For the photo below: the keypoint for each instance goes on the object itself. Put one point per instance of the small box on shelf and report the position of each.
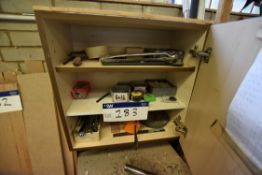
(161, 87)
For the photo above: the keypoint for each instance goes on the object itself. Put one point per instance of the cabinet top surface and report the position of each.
(96, 17)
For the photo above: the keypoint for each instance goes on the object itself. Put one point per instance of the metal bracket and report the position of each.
(180, 127)
(203, 55)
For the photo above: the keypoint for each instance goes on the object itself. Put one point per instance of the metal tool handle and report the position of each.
(163, 54)
(135, 136)
(136, 171)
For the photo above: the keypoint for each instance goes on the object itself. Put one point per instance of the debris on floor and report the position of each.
(158, 158)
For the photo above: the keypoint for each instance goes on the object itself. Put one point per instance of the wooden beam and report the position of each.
(223, 11)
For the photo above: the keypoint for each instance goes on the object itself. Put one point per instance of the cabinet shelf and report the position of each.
(97, 66)
(90, 107)
(106, 137)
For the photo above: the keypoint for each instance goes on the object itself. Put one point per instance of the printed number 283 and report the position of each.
(127, 112)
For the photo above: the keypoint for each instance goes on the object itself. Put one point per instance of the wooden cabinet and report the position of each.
(204, 91)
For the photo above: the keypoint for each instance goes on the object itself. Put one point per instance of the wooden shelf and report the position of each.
(90, 107)
(97, 66)
(106, 137)
(94, 17)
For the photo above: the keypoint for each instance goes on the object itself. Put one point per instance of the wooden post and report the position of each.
(223, 11)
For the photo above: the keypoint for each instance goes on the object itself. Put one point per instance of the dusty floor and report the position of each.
(158, 158)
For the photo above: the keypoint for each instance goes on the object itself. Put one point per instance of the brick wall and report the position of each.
(19, 41)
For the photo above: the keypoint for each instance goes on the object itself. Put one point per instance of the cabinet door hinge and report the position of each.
(180, 126)
(203, 55)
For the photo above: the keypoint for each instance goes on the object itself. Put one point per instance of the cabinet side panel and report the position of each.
(69, 159)
(235, 46)
(57, 43)
(185, 81)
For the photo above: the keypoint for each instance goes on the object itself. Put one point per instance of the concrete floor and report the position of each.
(158, 158)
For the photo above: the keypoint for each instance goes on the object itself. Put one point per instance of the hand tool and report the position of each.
(135, 135)
(74, 54)
(136, 171)
(77, 61)
(137, 95)
(163, 58)
(156, 119)
(102, 97)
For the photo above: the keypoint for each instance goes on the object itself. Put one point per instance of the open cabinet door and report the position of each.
(235, 46)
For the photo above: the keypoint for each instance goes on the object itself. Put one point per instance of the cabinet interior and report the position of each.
(63, 35)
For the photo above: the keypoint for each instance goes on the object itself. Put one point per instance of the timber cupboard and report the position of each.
(204, 90)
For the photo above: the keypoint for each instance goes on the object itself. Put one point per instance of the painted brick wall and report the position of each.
(19, 41)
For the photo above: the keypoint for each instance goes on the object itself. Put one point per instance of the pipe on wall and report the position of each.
(13, 17)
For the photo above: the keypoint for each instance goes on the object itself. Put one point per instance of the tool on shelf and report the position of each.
(135, 137)
(156, 119)
(137, 95)
(133, 127)
(77, 61)
(79, 128)
(86, 125)
(102, 97)
(129, 127)
(81, 90)
(131, 50)
(161, 58)
(72, 55)
(90, 53)
(119, 129)
(147, 90)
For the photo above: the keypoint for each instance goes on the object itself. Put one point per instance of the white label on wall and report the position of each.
(130, 111)
(10, 101)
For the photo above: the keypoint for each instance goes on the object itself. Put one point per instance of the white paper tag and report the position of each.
(244, 121)
(10, 101)
(120, 97)
(130, 111)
